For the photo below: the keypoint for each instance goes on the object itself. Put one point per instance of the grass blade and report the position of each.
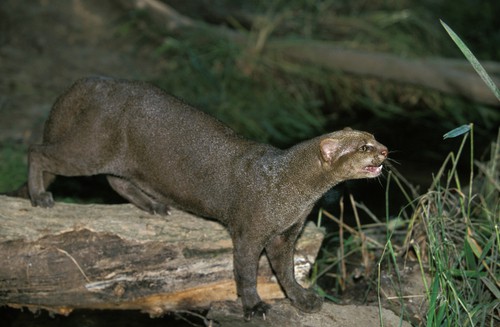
(473, 60)
(457, 131)
(492, 287)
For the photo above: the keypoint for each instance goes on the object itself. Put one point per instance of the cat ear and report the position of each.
(330, 149)
(347, 129)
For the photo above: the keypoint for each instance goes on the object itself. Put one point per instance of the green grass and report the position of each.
(451, 231)
(461, 225)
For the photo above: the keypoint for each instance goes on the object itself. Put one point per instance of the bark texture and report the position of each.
(119, 257)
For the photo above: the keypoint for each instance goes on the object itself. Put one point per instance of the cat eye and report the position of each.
(365, 148)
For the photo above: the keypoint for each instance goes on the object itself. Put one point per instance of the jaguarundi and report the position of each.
(159, 152)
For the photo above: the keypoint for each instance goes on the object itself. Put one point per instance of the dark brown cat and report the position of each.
(159, 152)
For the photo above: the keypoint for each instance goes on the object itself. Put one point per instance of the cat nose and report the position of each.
(384, 152)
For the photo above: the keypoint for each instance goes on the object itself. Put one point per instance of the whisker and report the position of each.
(393, 160)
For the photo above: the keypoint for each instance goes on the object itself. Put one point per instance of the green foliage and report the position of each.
(457, 131)
(270, 98)
(212, 75)
(463, 244)
(452, 231)
(13, 166)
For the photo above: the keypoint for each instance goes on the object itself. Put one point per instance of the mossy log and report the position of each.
(75, 256)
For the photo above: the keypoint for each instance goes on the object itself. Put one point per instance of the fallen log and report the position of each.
(77, 256)
(450, 76)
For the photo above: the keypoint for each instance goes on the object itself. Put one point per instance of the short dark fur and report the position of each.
(159, 152)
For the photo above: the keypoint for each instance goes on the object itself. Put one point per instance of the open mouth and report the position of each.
(375, 170)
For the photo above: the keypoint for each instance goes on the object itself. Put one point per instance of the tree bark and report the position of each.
(450, 76)
(119, 257)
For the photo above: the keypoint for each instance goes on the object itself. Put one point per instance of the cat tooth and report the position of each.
(374, 169)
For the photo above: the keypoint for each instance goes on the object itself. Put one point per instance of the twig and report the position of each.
(75, 262)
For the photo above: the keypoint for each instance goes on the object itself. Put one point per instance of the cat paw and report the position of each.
(259, 310)
(159, 209)
(308, 301)
(43, 200)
